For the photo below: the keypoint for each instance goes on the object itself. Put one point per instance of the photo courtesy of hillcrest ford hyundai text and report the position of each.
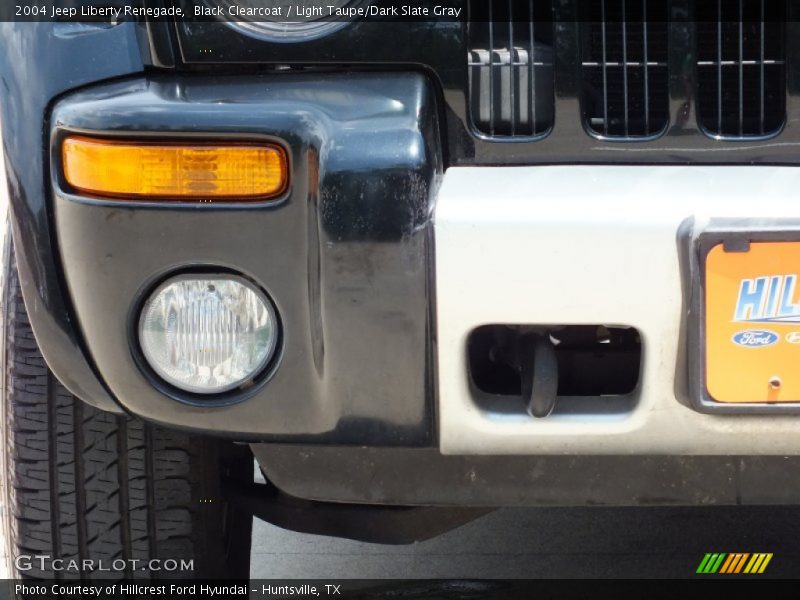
(371, 270)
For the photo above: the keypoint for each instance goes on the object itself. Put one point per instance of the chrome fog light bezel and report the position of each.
(223, 395)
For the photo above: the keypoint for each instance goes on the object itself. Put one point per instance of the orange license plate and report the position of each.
(752, 323)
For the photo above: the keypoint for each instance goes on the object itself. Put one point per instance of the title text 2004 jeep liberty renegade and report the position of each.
(544, 255)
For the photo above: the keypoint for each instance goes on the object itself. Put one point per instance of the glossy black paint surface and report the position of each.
(38, 62)
(440, 48)
(344, 255)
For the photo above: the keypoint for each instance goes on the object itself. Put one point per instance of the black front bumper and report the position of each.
(345, 255)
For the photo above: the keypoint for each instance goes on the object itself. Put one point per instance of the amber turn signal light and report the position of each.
(198, 172)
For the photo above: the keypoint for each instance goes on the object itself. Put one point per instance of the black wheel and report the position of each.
(81, 484)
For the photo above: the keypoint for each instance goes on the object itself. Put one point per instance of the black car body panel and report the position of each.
(344, 254)
(442, 47)
(39, 62)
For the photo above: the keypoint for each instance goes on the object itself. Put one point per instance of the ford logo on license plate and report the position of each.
(755, 338)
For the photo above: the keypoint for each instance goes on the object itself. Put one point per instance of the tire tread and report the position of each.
(86, 484)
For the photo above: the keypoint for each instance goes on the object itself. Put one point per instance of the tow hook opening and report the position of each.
(555, 369)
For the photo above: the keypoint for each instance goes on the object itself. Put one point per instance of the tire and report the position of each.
(83, 484)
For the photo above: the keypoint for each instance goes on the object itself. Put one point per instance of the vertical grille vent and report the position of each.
(741, 67)
(511, 67)
(624, 67)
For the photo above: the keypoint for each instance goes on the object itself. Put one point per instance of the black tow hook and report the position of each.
(539, 372)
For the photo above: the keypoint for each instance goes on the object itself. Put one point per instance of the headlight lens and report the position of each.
(259, 18)
(208, 334)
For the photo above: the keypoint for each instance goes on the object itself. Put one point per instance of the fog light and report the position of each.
(207, 334)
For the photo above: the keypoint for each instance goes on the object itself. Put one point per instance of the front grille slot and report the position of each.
(624, 67)
(741, 68)
(739, 55)
(510, 64)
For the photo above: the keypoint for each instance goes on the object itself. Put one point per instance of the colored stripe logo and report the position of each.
(734, 563)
